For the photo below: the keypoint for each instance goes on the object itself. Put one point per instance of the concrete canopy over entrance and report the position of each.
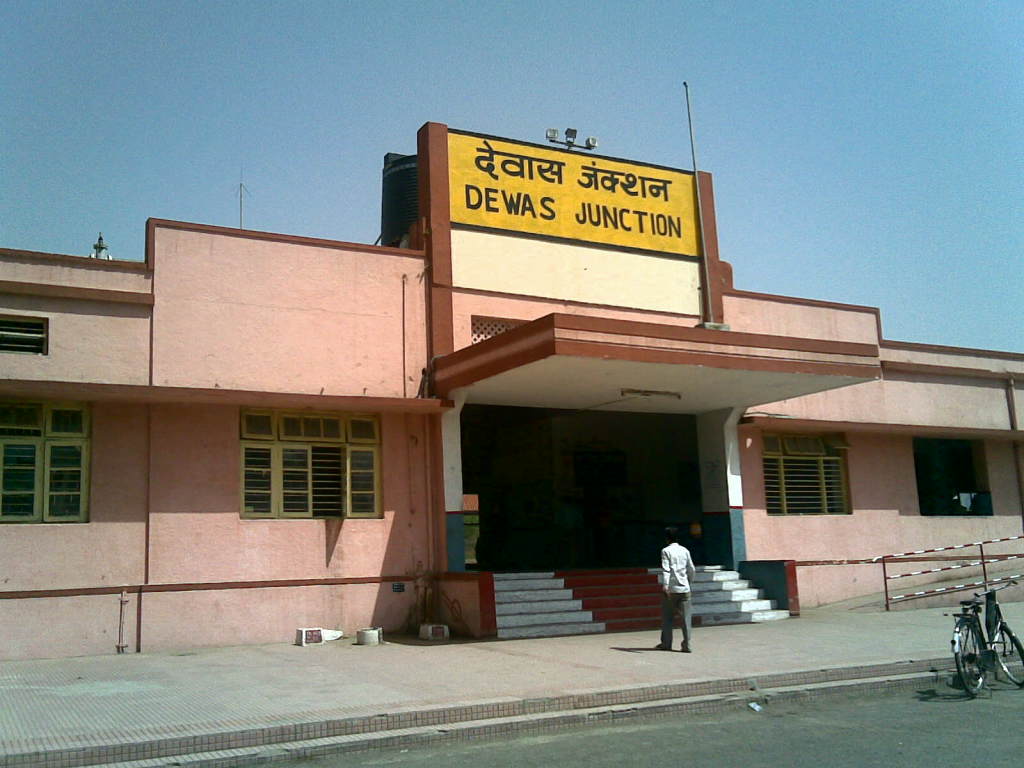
(587, 363)
(562, 365)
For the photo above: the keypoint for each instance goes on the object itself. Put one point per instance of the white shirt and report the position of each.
(676, 568)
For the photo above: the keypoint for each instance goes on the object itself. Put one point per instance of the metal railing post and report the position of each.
(885, 582)
(984, 570)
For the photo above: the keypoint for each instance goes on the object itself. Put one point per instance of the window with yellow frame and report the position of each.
(805, 475)
(44, 462)
(309, 465)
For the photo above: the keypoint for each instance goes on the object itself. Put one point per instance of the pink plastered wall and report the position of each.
(885, 518)
(55, 627)
(953, 357)
(88, 341)
(469, 304)
(109, 549)
(270, 615)
(781, 318)
(899, 398)
(198, 535)
(75, 272)
(235, 312)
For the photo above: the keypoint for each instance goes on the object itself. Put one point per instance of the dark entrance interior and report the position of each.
(577, 489)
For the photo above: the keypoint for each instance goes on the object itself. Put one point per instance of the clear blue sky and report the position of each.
(863, 152)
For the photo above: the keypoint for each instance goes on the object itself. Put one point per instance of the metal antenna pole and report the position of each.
(706, 293)
(241, 191)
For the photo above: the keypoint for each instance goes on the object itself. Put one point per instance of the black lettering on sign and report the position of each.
(474, 197)
(626, 219)
(548, 213)
(491, 200)
(518, 203)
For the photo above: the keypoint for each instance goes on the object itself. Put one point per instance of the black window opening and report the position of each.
(23, 334)
(951, 477)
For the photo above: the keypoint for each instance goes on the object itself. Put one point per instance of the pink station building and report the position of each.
(544, 365)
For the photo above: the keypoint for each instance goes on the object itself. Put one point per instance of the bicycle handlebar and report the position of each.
(1011, 583)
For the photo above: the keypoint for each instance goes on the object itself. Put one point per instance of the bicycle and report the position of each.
(978, 649)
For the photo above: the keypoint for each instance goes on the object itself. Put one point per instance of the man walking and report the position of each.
(676, 571)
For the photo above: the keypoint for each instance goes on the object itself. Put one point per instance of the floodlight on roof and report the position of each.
(552, 135)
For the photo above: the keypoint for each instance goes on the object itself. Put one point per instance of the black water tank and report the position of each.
(399, 205)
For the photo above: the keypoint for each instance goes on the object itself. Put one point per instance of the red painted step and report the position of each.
(604, 590)
(625, 601)
(610, 579)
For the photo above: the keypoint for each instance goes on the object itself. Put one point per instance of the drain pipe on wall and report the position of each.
(1011, 404)
(122, 646)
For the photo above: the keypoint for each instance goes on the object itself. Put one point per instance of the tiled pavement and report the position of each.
(94, 710)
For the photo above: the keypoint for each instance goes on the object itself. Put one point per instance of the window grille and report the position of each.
(805, 476)
(488, 327)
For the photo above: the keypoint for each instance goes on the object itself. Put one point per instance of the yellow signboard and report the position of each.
(505, 185)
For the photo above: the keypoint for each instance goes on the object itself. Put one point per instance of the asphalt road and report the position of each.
(931, 727)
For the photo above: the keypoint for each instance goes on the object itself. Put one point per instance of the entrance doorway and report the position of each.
(562, 490)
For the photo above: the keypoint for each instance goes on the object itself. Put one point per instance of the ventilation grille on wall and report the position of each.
(489, 327)
(23, 334)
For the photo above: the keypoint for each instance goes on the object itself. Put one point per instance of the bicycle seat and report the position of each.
(969, 603)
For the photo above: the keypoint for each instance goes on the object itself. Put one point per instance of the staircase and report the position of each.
(618, 600)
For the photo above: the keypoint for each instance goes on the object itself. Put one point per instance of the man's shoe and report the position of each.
(686, 648)
(660, 647)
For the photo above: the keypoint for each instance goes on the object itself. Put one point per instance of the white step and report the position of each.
(532, 596)
(507, 585)
(739, 606)
(543, 606)
(551, 630)
(704, 576)
(533, 619)
(719, 595)
(718, 586)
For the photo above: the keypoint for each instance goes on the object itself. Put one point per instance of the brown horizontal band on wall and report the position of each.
(800, 301)
(817, 426)
(209, 586)
(709, 336)
(869, 561)
(898, 366)
(144, 393)
(49, 290)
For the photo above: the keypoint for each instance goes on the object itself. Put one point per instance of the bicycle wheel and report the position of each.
(967, 647)
(1010, 654)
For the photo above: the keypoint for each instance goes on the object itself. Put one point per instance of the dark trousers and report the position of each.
(672, 605)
